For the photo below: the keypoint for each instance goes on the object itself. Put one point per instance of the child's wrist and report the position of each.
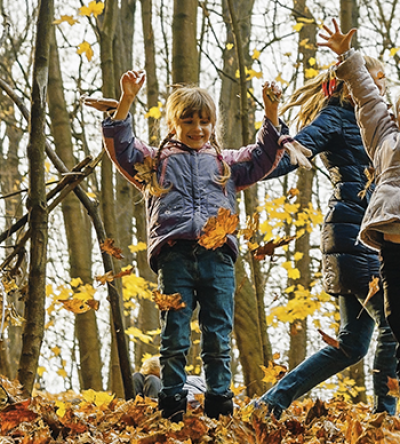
(345, 55)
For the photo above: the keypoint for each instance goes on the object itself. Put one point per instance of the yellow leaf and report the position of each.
(91, 194)
(256, 54)
(237, 390)
(229, 46)
(297, 256)
(311, 72)
(305, 20)
(103, 398)
(40, 370)
(137, 334)
(62, 372)
(393, 51)
(85, 48)
(65, 18)
(298, 26)
(258, 125)
(279, 78)
(95, 8)
(312, 61)
(56, 350)
(154, 112)
(75, 282)
(60, 408)
(140, 246)
(273, 372)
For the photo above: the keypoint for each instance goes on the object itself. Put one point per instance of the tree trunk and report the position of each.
(185, 66)
(35, 302)
(349, 14)
(77, 227)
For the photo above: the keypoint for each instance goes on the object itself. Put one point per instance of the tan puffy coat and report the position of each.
(381, 138)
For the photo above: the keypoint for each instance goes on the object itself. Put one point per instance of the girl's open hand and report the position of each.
(131, 82)
(101, 104)
(336, 41)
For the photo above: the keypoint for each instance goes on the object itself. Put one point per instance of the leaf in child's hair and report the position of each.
(273, 372)
(269, 248)
(168, 301)
(393, 386)
(217, 228)
(108, 247)
(65, 18)
(373, 289)
(85, 48)
(328, 339)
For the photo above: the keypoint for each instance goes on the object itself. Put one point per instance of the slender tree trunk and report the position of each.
(77, 226)
(349, 14)
(35, 302)
(185, 67)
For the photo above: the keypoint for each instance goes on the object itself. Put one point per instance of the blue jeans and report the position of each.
(354, 338)
(205, 277)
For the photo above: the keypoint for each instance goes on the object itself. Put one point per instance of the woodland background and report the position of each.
(66, 322)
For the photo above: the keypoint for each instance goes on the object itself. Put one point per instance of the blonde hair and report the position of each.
(181, 104)
(151, 366)
(311, 98)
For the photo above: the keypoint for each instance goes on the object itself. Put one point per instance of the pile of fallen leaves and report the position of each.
(73, 418)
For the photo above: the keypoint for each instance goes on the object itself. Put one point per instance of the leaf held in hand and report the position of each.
(168, 301)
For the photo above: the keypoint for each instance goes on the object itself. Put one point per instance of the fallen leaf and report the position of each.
(14, 414)
(269, 248)
(393, 385)
(108, 247)
(168, 301)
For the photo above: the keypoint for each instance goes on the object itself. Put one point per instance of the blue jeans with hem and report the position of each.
(354, 338)
(204, 277)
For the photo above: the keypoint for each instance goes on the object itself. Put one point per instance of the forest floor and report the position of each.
(97, 417)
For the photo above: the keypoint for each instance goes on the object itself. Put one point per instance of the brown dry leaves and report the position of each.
(217, 228)
(268, 249)
(168, 301)
(78, 306)
(108, 247)
(38, 420)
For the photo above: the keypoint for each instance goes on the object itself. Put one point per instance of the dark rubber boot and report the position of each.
(215, 405)
(173, 407)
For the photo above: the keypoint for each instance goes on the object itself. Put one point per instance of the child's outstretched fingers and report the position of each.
(336, 40)
(132, 82)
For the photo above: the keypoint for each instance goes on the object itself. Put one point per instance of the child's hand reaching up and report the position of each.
(131, 82)
(271, 97)
(336, 41)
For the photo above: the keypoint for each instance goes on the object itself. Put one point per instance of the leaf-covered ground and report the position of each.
(94, 417)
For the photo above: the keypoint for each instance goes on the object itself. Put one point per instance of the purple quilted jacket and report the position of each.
(194, 195)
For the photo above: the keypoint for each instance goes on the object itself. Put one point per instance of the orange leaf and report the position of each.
(123, 273)
(393, 385)
(293, 192)
(373, 289)
(14, 414)
(168, 301)
(78, 306)
(328, 339)
(108, 247)
(108, 277)
(269, 248)
(273, 372)
(217, 227)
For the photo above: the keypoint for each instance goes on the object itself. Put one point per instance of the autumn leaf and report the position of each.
(108, 247)
(328, 339)
(293, 192)
(393, 386)
(168, 301)
(217, 228)
(65, 18)
(14, 414)
(373, 289)
(79, 306)
(274, 371)
(154, 112)
(85, 48)
(298, 27)
(268, 249)
(393, 51)
(95, 8)
(128, 271)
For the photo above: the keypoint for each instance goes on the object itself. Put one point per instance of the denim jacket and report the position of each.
(192, 179)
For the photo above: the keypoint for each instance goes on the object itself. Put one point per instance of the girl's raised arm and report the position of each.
(131, 82)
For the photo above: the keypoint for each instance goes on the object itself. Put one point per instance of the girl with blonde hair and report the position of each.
(328, 127)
